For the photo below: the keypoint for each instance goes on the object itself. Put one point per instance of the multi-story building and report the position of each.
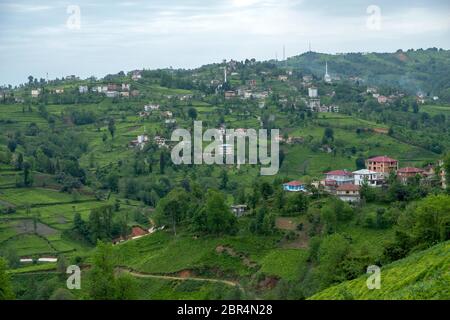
(371, 178)
(382, 164)
(403, 174)
(340, 177)
(348, 193)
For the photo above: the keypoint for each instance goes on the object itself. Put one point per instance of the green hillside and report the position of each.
(422, 275)
(412, 70)
(74, 177)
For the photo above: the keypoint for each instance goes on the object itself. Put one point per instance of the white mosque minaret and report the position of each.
(327, 77)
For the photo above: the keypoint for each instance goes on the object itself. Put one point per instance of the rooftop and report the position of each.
(339, 173)
(409, 170)
(347, 187)
(382, 159)
(364, 171)
(294, 183)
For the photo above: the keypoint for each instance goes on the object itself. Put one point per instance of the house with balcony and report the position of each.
(365, 176)
(382, 164)
(340, 177)
(403, 174)
(348, 193)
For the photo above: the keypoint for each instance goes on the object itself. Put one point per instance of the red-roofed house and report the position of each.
(348, 193)
(137, 232)
(294, 186)
(382, 99)
(382, 164)
(404, 173)
(340, 176)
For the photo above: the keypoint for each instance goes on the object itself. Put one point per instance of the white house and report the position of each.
(136, 75)
(112, 94)
(312, 92)
(371, 178)
(151, 107)
(167, 114)
(248, 94)
(160, 141)
(48, 259)
(239, 210)
(83, 89)
(140, 141)
(261, 95)
(35, 93)
(340, 177)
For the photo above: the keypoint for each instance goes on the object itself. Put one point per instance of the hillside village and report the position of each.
(346, 185)
(85, 163)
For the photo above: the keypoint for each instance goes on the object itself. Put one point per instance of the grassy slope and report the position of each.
(28, 285)
(423, 275)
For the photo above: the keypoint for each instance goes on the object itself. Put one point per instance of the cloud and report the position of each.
(188, 33)
(24, 8)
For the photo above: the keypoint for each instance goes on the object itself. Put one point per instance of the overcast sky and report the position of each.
(37, 37)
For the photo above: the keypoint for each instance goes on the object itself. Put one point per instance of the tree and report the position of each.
(328, 134)
(415, 107)
(297, 204)
(432, 220)
(126, 288)
(420, 226)
(61, 265)
(223, 179)
(264, 222)
(102, 281)
(446, 167)
(266, 190)
(328, 216)
(192, 113)
(27, 178)
(103, 284)
(12, 145)
(11, 257)
(162, 162)
(332, 253)
(19, 161)
(215, 216)
(6, 291)
(279, 199)
(360, 163)
(100, 223)
(112, 127)
(62, 294)
(173, 207)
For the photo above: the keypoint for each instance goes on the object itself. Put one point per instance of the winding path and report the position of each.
(139, 274)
